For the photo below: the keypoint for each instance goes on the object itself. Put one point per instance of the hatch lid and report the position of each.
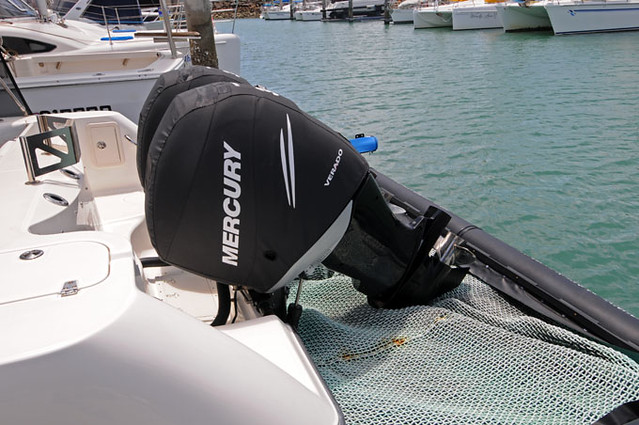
(61, 269)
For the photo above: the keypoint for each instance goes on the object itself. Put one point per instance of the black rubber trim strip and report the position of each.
(626, 414)
(543, 288)
(153, 262)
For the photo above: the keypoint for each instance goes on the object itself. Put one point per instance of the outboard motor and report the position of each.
(166, 87)
(245, 188)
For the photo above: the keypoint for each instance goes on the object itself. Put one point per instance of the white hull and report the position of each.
(519, 17)
(433, 17)
(595, 16)
(476, 17)
(402, 16)
(339, 9)
(116, 90)
(122, 96)
(308, 15)
(276, 15)
(110, 91)
(87, 72)
(402, 13)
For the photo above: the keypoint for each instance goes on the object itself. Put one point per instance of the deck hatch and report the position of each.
(52, 270)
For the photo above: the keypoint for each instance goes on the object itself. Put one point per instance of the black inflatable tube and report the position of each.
(537, 286)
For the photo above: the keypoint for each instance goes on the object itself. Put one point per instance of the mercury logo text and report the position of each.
(231, 206)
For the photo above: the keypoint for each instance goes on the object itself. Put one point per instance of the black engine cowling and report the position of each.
(245, 188)
(166, 87)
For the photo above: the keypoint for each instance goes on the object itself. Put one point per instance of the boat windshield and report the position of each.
(62, 6)
(15, 8)
(115, 12)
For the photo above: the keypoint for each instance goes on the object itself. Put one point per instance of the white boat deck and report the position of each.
(80, 309)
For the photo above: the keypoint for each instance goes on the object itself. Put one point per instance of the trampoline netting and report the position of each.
(470, 357)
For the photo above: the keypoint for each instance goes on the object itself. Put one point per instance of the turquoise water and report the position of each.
(533, 137)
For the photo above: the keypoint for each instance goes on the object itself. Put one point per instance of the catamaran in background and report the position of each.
(576, 17)
(402, 12)
(479, 14)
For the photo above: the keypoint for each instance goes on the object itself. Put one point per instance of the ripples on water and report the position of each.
(533, 137)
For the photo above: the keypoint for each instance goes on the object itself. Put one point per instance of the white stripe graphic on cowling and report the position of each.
(291, 163)
(288, 163)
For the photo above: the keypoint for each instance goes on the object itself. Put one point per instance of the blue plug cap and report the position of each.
(364, 144)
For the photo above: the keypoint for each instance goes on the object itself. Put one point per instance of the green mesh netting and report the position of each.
(469, 358)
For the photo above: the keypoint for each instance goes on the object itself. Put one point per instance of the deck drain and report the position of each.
(56, 199)
(70, 173)
(32, 254)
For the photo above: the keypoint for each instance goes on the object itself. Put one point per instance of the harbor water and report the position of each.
(530, 136)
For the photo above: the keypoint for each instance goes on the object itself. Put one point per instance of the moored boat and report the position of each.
(309, 15)
(69, 65)
(572, 17)
(276, 11)
(478, 15)
(428, 319)
(311, 11)
(360, 8)
(115, 13)
(524, 16)
(436, 15)
(402, 13)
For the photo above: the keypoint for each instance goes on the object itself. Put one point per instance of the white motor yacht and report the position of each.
(524, 15)
(309, 15)
(575, 17)
(276, 12)
(140, 15)
(361, 8)
(311, 11)
(69, 65)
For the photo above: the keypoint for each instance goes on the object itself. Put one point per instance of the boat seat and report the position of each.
(163, 92)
